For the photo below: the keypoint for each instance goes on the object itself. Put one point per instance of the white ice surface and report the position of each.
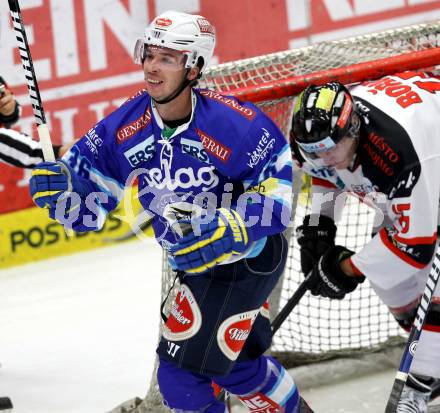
(78, 333)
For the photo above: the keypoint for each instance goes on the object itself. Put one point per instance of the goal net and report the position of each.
(319, 328)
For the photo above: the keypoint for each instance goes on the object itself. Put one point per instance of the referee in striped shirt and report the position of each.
(18, 149)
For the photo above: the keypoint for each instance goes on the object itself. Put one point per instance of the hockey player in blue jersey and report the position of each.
(216, 175)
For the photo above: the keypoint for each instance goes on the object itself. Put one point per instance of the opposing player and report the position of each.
(216, 175)
(378, 142)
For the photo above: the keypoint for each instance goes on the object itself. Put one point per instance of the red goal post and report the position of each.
(357, 72)
(319, 328)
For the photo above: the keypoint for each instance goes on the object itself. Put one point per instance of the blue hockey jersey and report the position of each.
(229, 154)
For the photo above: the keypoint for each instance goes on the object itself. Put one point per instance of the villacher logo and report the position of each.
(234, 331)
(185, 319)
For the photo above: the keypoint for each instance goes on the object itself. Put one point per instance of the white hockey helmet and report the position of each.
(191, 34)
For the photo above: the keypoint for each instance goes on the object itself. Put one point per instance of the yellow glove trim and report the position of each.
(45, 193)
(218, 234)
(208, 265)
(39, 172)
(236, 224)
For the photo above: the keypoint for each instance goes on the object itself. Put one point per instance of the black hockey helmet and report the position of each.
(322, 116)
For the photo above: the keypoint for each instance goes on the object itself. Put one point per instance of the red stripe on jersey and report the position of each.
(431, 327)
(406, 308)
(417, 240)
(395, 250)
(355, 269)
(322, 182)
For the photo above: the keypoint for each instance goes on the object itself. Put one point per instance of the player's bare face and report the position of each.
(341, 155)
(163, 71)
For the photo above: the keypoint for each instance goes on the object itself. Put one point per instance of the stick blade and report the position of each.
(396, 393)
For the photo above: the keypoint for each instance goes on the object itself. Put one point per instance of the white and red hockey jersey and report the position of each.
(397, 169)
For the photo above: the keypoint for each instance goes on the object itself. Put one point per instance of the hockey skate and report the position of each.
(434, 407)
(415, 396)
(435, 389)
(304, 407)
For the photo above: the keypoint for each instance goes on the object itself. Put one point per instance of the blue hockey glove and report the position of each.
(216, 241)
(52, 182)
(49, 181)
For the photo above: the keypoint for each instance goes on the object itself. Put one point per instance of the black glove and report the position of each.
(328, 279)
(314, 240)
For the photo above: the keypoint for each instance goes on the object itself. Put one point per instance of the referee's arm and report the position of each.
(20, 150)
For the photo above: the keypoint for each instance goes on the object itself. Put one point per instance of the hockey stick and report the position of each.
(291, 304)
(130, 234)
(416, 330)
(34, 93)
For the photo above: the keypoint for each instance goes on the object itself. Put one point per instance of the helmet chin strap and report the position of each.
(185, 82)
